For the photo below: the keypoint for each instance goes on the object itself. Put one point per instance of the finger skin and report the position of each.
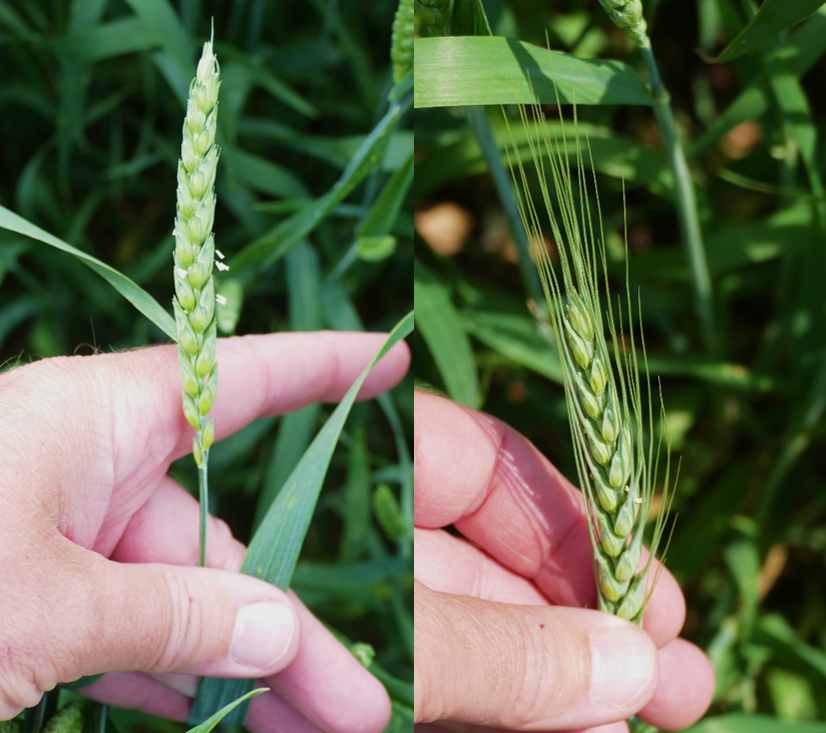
(527, 667)
(328, 685)
(476, 473)
(137, 691)
(449, 564)
(99, 432)
(324, 682)
(452, 565)
(87, 441)
(686, 687)
(268, 713)
(619, 727)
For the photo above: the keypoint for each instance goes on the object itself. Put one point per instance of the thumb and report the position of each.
(527, 667)
(107, 616)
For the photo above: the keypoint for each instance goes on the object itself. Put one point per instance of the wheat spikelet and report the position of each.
(401, 45)
(69, 719)
(616, 465)
(194, 300)
(627, 14)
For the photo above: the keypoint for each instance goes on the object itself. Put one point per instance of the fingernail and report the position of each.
(623, 666)
(263, 632)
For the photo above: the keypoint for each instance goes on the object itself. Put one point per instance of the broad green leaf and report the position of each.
(210, 723)
(463, 71)
(743, 723)
(136, 295)
(773, 17)
(274, 550)
(441, 328)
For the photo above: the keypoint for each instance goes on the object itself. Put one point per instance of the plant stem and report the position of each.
(203, 498)
(480, 126)
(686, 201)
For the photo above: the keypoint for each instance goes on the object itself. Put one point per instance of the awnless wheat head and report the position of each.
(194, 300)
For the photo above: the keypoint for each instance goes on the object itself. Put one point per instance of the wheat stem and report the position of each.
(194, 300)
(627, 14)
(689, 220)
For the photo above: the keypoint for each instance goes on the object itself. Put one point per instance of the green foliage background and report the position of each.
(746, 412)
(91, 108)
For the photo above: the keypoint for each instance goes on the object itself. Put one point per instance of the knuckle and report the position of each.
(182, 640)
(20, 683)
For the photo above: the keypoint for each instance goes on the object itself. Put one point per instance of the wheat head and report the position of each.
(401, 45)
(616, 464)
(194, 300)
(69, 719)
(627, 14)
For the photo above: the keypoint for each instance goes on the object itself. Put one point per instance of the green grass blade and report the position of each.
(467, 18)
(744, 723)
(442, 330)
(279, 240)
(805, 47)
(136, 295)
(162, 22)
(259, 174)
(105, 41)
(479, 123)
(401, 721)
(773, 17)
(274, 549)
(209, 724)
(463, 71)
(614, 155)
(295, 431)
(385, 210)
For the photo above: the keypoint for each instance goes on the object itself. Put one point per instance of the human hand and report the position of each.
(99, 543)
(502, 636)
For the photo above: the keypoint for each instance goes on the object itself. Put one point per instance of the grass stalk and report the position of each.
(628, 15)
(685, 199)
(480, 126)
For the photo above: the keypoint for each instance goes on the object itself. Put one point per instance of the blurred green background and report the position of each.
(92, 99)
(746, 413)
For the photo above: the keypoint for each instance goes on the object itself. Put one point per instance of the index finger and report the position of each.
(498, 490)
